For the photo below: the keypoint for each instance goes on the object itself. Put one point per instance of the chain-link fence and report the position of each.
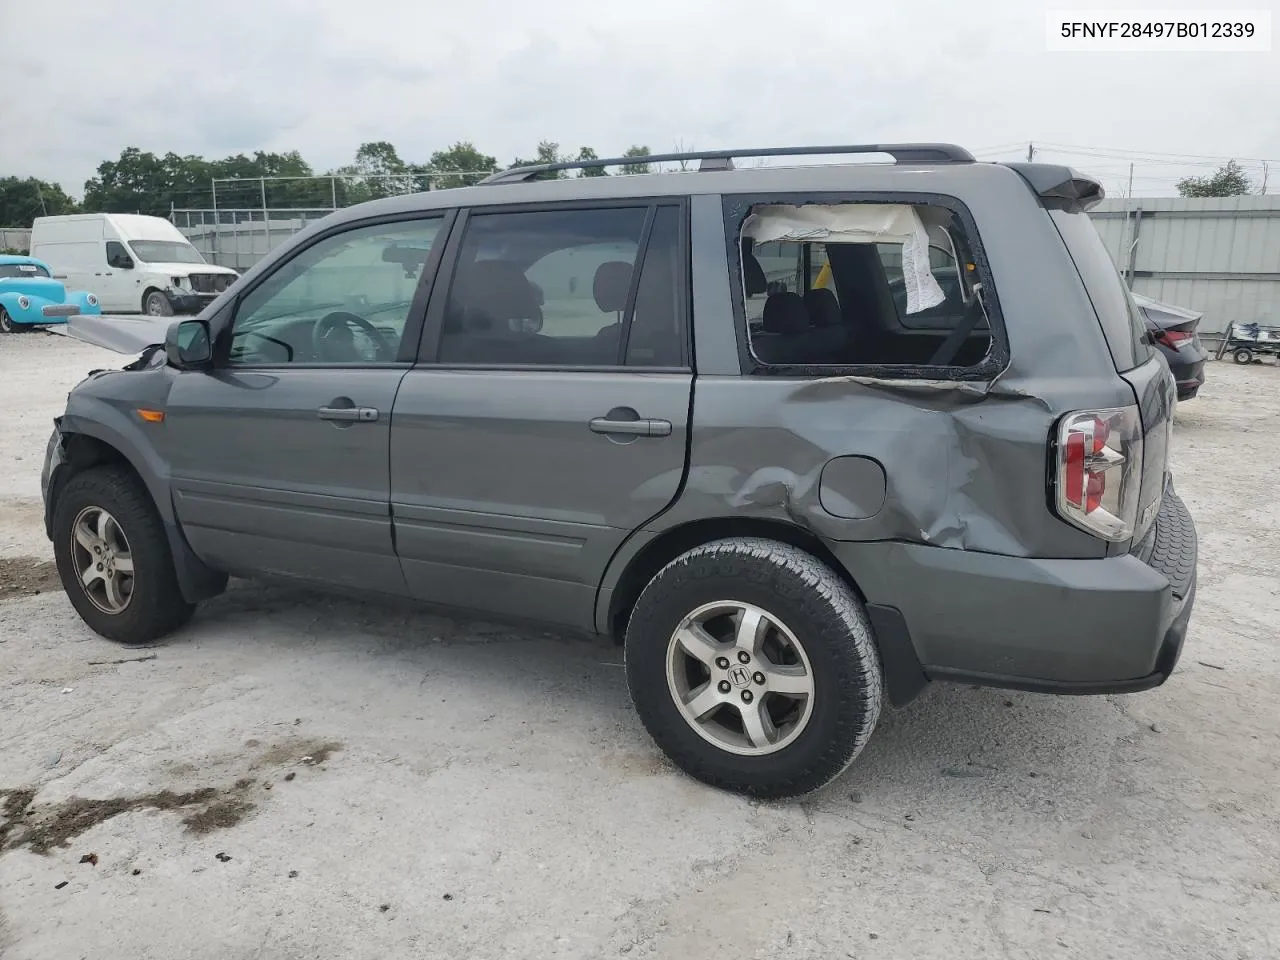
(250, 216)
(240, 238)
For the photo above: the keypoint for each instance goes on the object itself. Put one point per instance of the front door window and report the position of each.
(344, 300)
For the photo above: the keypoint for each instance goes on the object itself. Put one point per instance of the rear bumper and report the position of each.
(1187, 367)
(1110, 625)
(1189, 379)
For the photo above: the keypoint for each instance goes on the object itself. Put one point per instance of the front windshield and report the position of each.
(165, 251)
(8, 270)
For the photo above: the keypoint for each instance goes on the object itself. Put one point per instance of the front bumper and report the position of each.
(1110, 625)
(181, 301)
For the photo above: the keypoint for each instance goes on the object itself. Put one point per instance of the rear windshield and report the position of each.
(1121, 323)
(22, 270)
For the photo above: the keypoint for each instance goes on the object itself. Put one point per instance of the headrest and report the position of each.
(823, 307)
(753, 278)
(611, 286)
(494, 292)
(785, 313)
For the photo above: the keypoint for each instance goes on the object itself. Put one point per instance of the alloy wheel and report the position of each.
(102, 559)
(740, 678)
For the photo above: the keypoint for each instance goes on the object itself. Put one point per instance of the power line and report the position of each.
(1150, 154)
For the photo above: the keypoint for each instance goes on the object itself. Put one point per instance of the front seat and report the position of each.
(610, 288)
(490, 300)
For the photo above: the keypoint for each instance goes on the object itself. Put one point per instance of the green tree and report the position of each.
(586, 153)
(459, 166)
(22, 199)
(636, 151)
(378, 171)
(248, 187)
(137, 182)
(548, 152)
(1229, 180)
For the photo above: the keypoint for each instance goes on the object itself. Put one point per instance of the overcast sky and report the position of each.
(84, 79)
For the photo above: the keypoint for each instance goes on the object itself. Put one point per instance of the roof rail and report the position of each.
(723, 159)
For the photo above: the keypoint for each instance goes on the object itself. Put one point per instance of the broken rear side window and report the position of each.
(858, 284)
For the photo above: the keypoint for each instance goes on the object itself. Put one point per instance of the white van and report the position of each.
(135, 264)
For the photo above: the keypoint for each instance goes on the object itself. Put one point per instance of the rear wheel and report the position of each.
(113, 557)
(753, 667)
(1243, 355)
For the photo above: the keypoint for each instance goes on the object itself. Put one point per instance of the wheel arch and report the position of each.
(80, 452)
(903, 674)
(85, 445)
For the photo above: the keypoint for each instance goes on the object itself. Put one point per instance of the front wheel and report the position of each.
(113, 557)
(752, 665)
(1243, 355)
(156, 304)
(6, 322)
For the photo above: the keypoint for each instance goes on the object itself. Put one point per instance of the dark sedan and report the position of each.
(1173, 330)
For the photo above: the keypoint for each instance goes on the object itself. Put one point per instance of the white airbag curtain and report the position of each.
(856, 223)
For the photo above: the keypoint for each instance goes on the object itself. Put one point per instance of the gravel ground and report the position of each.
(296, 776)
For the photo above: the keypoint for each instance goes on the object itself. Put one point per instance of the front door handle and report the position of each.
(638, 427)
(348, 414)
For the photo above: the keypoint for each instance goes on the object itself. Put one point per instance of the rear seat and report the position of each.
(797, 330)
(832, 337)
(787, 331)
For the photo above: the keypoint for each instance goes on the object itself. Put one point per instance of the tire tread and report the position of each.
(803, 579)
(162, 608)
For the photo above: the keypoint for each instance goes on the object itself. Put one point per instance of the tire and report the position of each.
(153, 605)
(1243, 355)
(6, 323)
(156, 304)
(806, 602)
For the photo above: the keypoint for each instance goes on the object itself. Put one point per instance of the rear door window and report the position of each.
(1121, 322)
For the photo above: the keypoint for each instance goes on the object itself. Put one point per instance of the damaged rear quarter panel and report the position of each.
(966, 462)
(961, 471)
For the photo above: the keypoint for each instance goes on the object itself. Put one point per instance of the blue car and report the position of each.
(29, 296)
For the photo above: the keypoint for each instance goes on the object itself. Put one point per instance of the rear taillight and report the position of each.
(1099, 470)
(1175, 338)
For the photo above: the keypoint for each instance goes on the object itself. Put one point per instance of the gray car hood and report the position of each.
(121, 334)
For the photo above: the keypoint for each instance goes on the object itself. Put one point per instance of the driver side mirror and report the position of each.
(121, 261)
(188, 345)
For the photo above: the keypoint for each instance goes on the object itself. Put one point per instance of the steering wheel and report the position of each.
(333, 343)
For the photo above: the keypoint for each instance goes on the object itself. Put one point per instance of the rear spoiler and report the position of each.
(1059, 187)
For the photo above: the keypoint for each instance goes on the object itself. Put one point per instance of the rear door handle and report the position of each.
(348, 414)
(632, 428)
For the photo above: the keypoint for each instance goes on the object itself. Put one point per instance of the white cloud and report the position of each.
(322, 76)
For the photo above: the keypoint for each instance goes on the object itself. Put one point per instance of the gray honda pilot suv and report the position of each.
(802, 438)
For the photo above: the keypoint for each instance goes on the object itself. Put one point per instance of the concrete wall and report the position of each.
(1218, 255)
(15, 238)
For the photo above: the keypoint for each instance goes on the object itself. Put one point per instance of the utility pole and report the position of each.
(1130, 192)
(1031, 152)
